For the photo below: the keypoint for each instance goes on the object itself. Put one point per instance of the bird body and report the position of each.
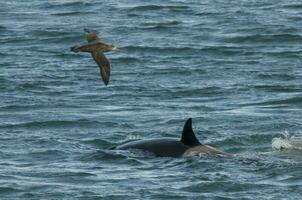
(97, 49)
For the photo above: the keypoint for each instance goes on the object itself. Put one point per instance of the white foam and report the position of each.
(133, 137)
(287, 142)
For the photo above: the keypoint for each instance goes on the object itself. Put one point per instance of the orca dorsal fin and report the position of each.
(188, 137)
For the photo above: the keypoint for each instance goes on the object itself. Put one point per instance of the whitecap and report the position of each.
(287, 142)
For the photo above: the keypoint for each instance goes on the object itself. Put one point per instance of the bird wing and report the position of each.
(103, 64)
(79, 48)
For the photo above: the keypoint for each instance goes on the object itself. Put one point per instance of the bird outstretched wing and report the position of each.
(103, 64)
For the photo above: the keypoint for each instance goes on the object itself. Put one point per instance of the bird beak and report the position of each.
(86, 30)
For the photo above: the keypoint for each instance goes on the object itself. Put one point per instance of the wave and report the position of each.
(31, 86)
(101, 143)
(49, 153)
(260, 38)
(207, 13)
(220, 50)
(59, 4)
(278, 88)
(288, 101)
(295, 6)
(287, 142)
(52, 36)
(51, 123)
(210, 91)
(70, 174)
(15, 40)
(159, 49)
(104, 156)
(71, 13)
(284, 54)
(243, 140)
(126, 59)
(2, 28)
(174, 22)
(52, 33)
(8, 190)
(158, 7)
(223, 50)
(159, 25)
(156, 27)
(276, 76)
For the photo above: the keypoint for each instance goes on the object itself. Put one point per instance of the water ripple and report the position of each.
(233, 66)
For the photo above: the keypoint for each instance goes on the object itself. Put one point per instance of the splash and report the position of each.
(287, 142)
(132, 137)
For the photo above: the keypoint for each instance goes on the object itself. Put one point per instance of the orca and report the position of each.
(172, 147)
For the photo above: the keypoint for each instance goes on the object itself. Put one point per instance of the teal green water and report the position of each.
(233, 66)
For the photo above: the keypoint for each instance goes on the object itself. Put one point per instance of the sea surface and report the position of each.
(233, 66)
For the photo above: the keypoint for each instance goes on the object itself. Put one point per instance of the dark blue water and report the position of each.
(233, 66)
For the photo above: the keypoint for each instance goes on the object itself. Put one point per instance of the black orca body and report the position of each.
(162, 147)
(172, 147)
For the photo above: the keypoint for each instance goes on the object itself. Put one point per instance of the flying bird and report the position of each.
(97, 49)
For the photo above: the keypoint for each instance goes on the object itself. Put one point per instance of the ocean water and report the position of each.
(234, 66)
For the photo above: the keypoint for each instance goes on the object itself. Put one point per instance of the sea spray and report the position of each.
(287, 142)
